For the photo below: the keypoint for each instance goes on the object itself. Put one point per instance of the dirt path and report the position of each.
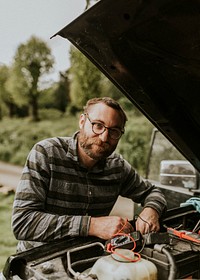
(9, 176)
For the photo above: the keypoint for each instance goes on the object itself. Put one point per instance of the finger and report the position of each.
(130, 227)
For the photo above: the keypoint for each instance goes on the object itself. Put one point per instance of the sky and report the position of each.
(20, 19)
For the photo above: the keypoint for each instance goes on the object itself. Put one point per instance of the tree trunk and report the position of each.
(34, 109)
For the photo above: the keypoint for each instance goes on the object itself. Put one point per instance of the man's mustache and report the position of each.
(100, 143)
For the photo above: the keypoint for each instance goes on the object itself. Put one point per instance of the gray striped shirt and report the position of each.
(56, 196)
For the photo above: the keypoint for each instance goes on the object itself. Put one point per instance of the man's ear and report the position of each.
(81, 121)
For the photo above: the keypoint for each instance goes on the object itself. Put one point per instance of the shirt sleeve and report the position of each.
(141, 191)
(30, 220)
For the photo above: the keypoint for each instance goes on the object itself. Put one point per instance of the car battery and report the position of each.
(179, 257)
(173, 264)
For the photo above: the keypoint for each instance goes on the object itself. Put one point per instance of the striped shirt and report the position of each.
(56, 196)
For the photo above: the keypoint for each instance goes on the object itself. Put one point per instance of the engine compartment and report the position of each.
(173, 256)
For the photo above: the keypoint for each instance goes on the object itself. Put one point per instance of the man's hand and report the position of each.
(106, 227)
(148, 221)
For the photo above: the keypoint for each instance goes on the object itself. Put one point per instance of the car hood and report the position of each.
(151, 51)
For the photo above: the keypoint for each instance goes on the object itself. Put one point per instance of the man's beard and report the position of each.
(94, 147)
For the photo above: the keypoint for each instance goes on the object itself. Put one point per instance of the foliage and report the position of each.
(6, 98)
(62, 98)
(84, 79)
(134, 144)
(17, 136)
(32, 60)
(109, 89)
(7, 240)
(56, 96)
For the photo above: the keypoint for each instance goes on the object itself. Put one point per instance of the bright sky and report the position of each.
(20, 19)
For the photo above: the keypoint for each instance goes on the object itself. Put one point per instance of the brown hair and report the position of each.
(109, 102)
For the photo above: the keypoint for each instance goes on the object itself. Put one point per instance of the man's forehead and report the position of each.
(105, 114)
(99, 107)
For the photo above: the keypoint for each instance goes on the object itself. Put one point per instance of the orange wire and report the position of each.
(111, 249)
(123, 226)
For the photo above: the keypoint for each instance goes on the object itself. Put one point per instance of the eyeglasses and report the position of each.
(99, 128)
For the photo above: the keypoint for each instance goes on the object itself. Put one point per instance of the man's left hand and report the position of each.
(148, 221)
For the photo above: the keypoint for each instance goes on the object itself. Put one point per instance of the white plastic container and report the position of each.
(113, 267)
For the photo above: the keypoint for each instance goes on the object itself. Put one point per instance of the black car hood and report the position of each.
(151, 51)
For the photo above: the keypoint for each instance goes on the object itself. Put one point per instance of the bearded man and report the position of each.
(69, 185)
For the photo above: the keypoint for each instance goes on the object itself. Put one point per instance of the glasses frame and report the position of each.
(105, 127)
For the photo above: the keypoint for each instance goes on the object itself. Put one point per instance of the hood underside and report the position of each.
(151, 51)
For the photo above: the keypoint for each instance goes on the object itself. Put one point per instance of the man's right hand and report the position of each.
(106, 227)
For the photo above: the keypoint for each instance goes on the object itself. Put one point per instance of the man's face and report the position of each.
(99, 146)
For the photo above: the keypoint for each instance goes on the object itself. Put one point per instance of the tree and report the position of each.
(85, 79)
(6, 98)
(62, 97)
(57, 95)
(32, 60)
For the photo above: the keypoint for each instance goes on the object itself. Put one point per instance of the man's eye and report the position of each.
(98, 126)
(115, 130)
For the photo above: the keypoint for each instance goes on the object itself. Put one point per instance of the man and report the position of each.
(70, 184)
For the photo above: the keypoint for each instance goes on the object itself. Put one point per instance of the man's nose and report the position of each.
(104, 136)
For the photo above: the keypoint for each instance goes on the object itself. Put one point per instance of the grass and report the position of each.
(17, 136)
(7, 240)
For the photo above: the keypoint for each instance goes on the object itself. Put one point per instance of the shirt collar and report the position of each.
(72, 151)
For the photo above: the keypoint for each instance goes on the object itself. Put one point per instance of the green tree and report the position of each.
(3, 79)
(6, 98)
(57, 95)
(109, 89)
(62, 97)
(85, 79)
(31, 62)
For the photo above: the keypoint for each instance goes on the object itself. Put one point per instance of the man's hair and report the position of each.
(109, 102)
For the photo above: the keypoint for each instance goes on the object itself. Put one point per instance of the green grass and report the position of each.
(17, 136)
(7, 240)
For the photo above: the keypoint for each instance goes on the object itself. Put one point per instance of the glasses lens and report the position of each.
(98, 128)
(115, 133)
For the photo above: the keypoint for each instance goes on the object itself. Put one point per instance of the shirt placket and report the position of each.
(89, 192)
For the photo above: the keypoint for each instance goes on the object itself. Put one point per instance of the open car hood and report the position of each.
(151, 51)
